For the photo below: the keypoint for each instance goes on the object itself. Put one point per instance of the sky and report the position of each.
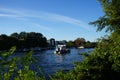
(58, 19)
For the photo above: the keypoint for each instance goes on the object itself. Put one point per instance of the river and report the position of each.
(50, 62)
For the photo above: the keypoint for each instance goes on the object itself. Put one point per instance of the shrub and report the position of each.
(17, 68)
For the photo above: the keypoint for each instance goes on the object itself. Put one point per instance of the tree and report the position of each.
(15, 35)
(7, 42)
(89, 44)
(70, 44)
(111, 19)
(79, 42)
(22, 35)
(35, 40)
(22, 40)
(104, 62)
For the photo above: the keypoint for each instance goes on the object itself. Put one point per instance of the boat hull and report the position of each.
(62, 51)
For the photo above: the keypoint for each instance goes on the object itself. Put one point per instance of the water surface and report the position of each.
(50, 62)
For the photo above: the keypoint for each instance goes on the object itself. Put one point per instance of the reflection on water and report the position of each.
(59, 58)
(50, 62)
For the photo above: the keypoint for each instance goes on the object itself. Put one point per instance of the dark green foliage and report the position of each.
(111, 19)
(7, 42)
(35, 40)
(22, 40)
(15, 35)
(104, 62)
(18, 68)
(89, 44)
(70, 44)
(81, 42)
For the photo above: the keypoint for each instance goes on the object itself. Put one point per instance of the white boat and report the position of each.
(61, 49)
(81, 47)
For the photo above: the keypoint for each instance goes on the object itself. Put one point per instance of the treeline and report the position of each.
(81, 42)
(28, 40)
(22, 40)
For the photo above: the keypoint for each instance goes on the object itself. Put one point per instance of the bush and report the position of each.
(17, 68)
(102, 64)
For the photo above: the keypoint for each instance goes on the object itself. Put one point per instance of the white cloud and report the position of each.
(25, 14)
(70, 21)
(7, 15)
(42, 27)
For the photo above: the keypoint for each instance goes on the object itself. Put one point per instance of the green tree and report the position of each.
(89, 44)
(104, 62)
(22, 35)
(70, 44)
(35, 40)
(22, 40)
(7, 42)
(111, 19)
(15, 35)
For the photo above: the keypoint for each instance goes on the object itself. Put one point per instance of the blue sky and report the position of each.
(59, 19)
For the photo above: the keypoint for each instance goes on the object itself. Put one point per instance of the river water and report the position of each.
(50, 62)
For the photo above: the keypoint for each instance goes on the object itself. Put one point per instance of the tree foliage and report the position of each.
(18, 68)
(79, 42)
(104, 62)
(22, 40)
(111, 19)
(70, 44)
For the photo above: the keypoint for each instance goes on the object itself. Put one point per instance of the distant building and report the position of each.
(51, 42)
(56, 42)
(61, 42)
